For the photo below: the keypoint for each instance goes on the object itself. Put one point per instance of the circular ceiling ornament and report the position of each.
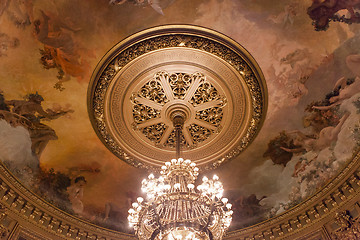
(146, 78)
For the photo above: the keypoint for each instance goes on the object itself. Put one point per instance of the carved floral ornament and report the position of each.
(349, 228)
(204, 73)
(203, 98)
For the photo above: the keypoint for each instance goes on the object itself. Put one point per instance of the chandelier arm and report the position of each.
(157, 219)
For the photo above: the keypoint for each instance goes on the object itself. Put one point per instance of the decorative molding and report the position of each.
(24, 214)
(124, 64)
(43, 219)
(341, 192)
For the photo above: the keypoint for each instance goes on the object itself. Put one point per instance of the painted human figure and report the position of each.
(346, 89)
(326, 136)
(32, 111)
(61, 51)
(76, 193)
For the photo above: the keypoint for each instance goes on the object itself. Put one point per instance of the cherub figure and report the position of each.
(326, 136)
(32, 111)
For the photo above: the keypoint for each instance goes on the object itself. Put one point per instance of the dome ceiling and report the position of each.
(49, 49)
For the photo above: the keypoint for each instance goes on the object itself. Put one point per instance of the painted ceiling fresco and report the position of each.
(309, 52)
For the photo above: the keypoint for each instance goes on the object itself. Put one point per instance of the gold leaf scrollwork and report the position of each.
(153, 91)
(199, 133)
(154, 132)
(143, 113)
(180, 83)
(206, 92)
(212, 115)
(349, 228)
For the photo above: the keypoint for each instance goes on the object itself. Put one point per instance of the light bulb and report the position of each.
(215, 178)
(190, 186)
(140, 199)
(151, 176)
(205, 179)
(135, 205)
(224, 200)
(173, 161)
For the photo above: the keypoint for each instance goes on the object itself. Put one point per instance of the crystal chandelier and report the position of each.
(174, 209)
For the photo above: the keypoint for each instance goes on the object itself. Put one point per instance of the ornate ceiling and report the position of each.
(141, 82)
(271, 91)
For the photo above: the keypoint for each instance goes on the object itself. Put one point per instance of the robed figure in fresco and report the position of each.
(29, 113)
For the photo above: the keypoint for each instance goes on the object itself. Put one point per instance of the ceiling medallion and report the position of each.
(211, 78)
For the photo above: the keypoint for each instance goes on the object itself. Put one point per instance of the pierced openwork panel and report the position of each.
(154, 132)
(143, 113)
(153, 91)
(204, 93)
(212, 115)
(199, 133)
(180, 83)
(201, 99)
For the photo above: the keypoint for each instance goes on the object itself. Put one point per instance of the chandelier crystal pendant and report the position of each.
(174, 209)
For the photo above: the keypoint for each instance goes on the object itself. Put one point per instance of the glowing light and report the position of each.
(175, 187)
